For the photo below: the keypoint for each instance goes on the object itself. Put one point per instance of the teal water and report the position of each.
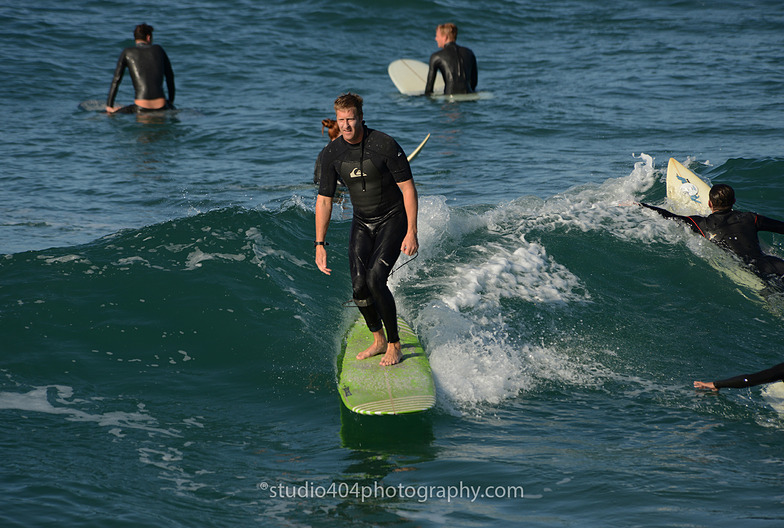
(168, 348)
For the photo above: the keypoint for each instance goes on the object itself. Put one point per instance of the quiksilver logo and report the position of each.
(356, 173)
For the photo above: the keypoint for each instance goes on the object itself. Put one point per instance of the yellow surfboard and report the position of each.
(416, 151)
(686, 189)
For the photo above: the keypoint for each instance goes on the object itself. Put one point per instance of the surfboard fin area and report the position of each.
(365, 387)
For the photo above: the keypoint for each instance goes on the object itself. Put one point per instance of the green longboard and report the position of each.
(368, 388)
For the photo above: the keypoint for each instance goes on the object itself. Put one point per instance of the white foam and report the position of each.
(773, 394)
(58, 400)
(606, 207)
(264, 248)
(525, 273)
(64, 259)
(475, 363)
(462, 324)
(197, 256)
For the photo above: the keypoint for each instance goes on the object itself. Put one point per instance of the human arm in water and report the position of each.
(768, 224)
(692, 221)
(771, 375)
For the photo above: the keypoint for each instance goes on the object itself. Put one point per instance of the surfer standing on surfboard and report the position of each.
(148, 65)
(457, 64)
(734, 230)
(384, 199)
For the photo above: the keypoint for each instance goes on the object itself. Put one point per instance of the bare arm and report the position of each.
(411, 203)
(323, 215)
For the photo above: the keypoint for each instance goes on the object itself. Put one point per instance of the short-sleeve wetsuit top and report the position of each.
(373, 190)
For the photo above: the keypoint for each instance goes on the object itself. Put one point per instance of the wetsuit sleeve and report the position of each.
(749, 380)
(317, 170)
(398, 165)
(474, 73)
(692, 221)
(431, 74)
(169, 74)
(764, 223)
(327, 175)
(119, 70)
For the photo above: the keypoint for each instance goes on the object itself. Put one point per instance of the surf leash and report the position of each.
(350, 302)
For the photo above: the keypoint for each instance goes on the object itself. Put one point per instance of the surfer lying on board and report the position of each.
(770, 375)
(457, 64)
(148, 65)
(734, 230)
(384, 199)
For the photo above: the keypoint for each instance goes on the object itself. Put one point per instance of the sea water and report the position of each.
(168, 347)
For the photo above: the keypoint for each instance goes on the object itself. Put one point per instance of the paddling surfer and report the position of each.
(384, 198)
(148, 66)
(457, 64)
(733, 230)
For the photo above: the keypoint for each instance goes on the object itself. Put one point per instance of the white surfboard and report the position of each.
(410, 77)
(686, 189)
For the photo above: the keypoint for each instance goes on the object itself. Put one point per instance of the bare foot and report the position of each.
(378, 347)
(393, 355)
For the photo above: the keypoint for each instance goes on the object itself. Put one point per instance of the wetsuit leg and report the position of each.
(374, 250)
(360, 248)
(769, 265)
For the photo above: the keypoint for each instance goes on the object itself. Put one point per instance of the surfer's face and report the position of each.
(350, 125)
(440, 38)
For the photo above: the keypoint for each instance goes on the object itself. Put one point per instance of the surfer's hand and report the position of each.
(410, 244)
(321, 260)
(703, 385)
(627, 204)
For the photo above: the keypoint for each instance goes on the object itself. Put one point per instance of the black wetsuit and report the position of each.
(748, 380)
(457, 65)
(737, 232)
(380, 222)
(148, 65)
